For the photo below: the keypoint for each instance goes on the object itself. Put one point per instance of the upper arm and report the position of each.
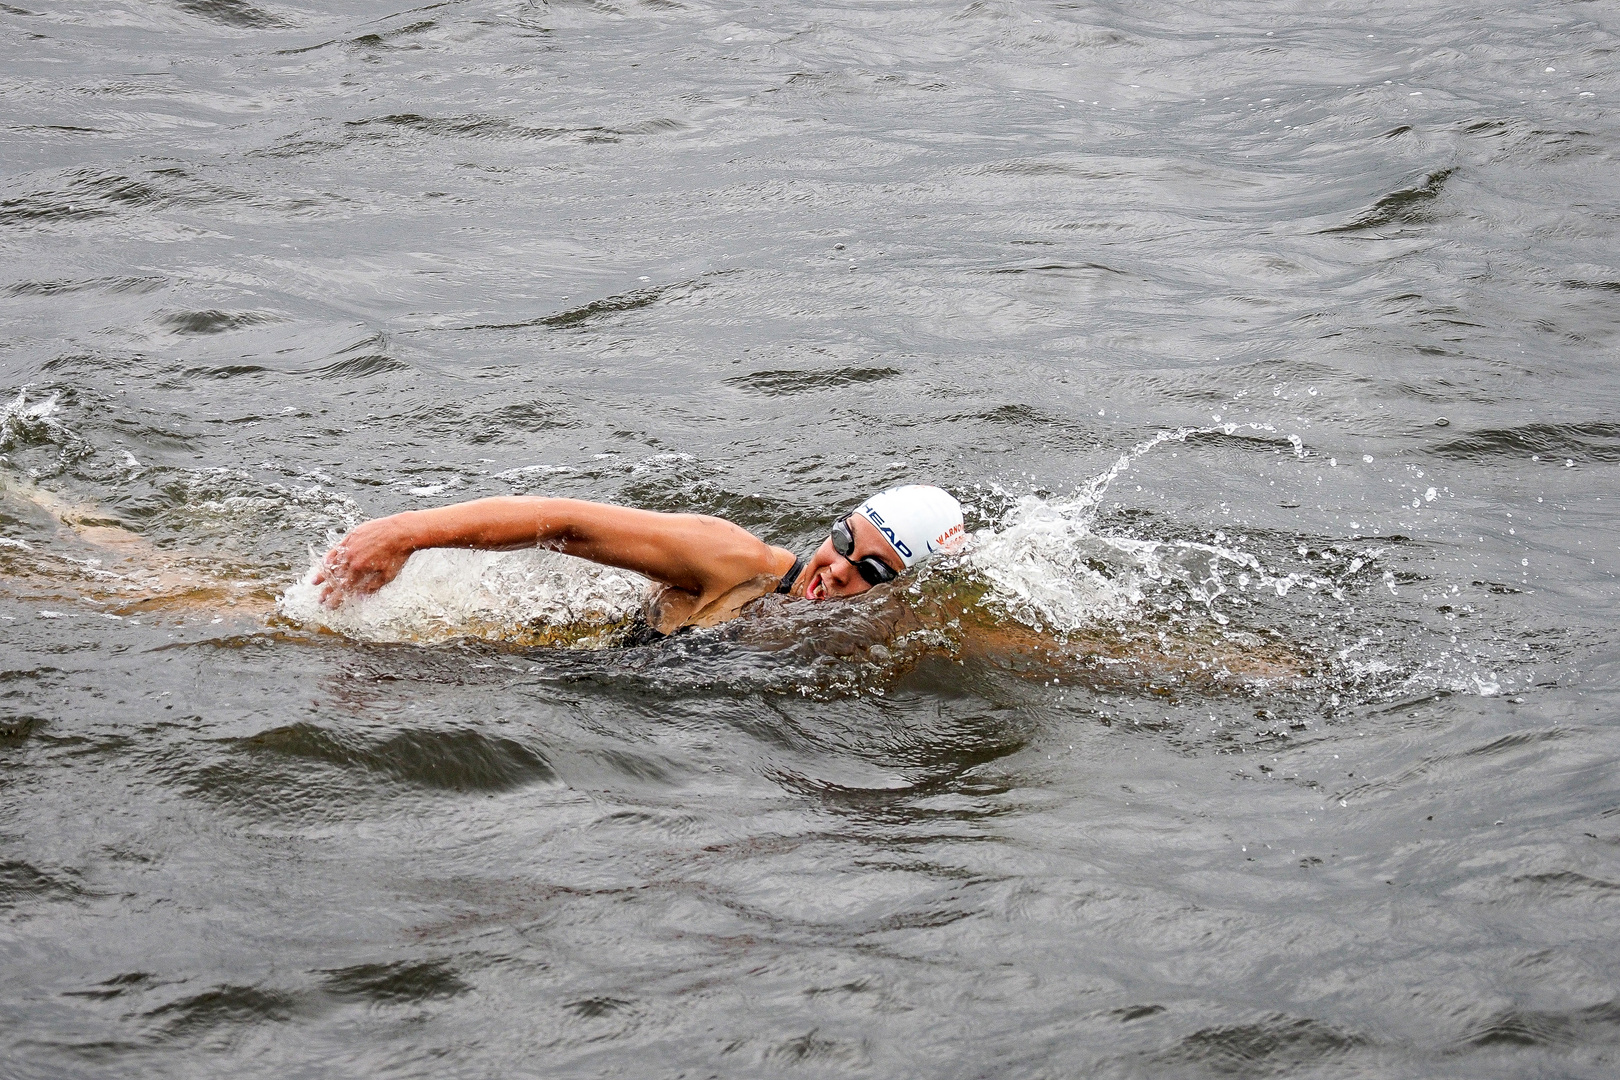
(695, 553)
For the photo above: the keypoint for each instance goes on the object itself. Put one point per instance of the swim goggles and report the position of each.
(872, 568)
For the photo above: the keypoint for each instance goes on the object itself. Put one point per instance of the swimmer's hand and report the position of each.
(368, 557)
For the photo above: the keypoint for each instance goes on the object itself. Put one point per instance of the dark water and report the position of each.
(271, 268)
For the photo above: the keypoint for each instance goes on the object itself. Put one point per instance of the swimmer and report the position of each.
(707, 568)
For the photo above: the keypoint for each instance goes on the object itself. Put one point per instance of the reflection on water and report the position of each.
(1263, 728)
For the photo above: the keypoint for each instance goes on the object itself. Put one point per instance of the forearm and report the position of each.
(494, 524)
(700, 555)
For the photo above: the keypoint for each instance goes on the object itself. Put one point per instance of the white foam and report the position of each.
(1040, 567)
(20, 421)
(1050, 569)
(447, 593)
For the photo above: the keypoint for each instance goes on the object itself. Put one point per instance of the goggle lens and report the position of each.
(872, 569)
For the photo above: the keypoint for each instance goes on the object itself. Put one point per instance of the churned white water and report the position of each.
(448, 593)
(1051, 567)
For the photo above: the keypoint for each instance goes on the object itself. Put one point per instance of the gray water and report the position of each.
(1243, 329)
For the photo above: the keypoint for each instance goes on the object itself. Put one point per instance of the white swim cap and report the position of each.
(917, 519)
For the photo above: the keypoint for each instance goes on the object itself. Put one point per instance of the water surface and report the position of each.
(1245, 330)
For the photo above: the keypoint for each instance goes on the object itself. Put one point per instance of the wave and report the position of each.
(1590, 442)
(234, 13)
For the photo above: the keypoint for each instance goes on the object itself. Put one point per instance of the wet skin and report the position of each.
(829, 575)
(699, 556)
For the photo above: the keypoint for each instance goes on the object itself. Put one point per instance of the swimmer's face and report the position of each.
(828, 574)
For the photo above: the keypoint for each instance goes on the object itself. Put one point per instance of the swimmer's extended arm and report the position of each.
(700, 555)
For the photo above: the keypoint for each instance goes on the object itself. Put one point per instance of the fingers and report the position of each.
(355, 566)
(334, 593)
(339, 584)
(333, 576)
(330, 590)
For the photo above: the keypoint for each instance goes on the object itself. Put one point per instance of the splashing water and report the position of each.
(22, 423)
(1049, 569)
(524, 597)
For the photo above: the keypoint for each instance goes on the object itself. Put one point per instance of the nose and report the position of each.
(842, 570)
